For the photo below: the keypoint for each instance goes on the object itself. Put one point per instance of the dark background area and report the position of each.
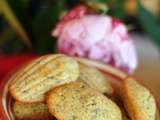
(37, 18)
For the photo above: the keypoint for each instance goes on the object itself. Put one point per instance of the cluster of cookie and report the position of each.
(57, 87)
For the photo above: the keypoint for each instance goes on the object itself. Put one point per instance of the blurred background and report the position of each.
(26, 25)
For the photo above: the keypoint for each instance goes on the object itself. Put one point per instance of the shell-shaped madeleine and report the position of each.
(77, 101)
(31, 111)
(31, 83)
(138, 100)
(94, 79)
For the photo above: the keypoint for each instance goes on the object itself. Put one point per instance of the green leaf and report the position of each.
(12, 46)
(7, 34)
(114, 8)
(14, 22)
(99, 6)
(43, 25)
(149, 23)
(117, 8)
(99, 1)
(72, 3)
(11, 43)
(21, 9)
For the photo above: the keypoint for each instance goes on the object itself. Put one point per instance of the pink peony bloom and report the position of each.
(97, 37)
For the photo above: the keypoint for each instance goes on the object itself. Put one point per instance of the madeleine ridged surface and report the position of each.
(76, 101)
(31, 111)
(31, 83)
(94, 79)
(138, 100)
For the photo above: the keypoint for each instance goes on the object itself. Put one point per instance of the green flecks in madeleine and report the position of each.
(38, 77)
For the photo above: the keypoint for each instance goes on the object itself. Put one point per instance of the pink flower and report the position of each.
(97, 37)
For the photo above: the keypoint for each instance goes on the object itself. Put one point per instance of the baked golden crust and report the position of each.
(76, 101)
(31, 111)
(76, 93)
(32, 82)
(138, 100)
(94, 79)
(158, 114)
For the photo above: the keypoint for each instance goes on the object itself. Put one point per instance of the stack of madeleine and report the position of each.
(58, 87)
